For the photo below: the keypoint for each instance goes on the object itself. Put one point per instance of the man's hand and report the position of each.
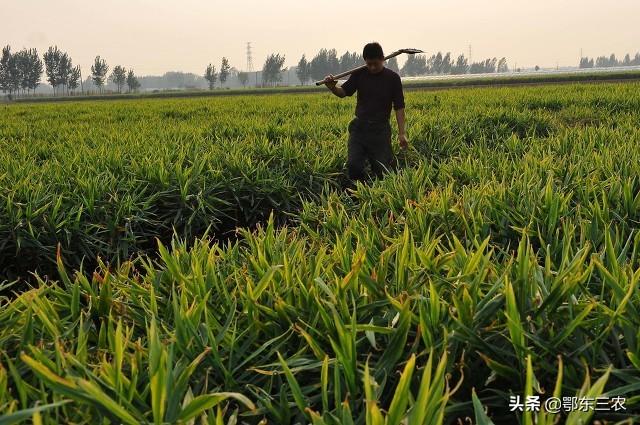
(330, 82)
(402, 132)
(402, 140)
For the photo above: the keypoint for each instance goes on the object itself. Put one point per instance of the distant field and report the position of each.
(412, 83)
(502, 258)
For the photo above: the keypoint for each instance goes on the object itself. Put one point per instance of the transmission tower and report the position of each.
(249, 60)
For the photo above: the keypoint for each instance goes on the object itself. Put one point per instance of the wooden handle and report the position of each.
(343, 74)
(351, 71)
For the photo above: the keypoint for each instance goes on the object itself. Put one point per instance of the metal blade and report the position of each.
(411, 51)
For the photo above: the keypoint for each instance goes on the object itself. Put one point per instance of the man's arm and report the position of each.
(398, 106)
(402, 132)
(345, 89)
(331, 85)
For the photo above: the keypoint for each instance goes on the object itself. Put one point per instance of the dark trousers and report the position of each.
(368, 141)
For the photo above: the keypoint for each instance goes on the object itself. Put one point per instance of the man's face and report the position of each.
(374, 65)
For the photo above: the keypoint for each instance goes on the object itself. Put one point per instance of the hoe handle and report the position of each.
(351, 71)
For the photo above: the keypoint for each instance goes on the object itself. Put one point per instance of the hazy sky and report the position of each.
(154, 36)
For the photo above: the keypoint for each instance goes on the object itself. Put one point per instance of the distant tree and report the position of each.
(434, 64)
(586, 63)
(537, 68)
(132, 81)
(52, 64)
(430, 64)
(224, 70)
(502, 65)
(14, 71)
(392, 64)
(211, 76)
(447, 64)
(303, 70)
(319, 65)
(272, 68)
(349, 61)
(172, 80)
(484, 67)
(34, 71)
(20, 65)
(119, 77)
(64, 68)
(461, 66)
(345, 61)
(607, 62)
(5, 63)
(583, 62)
(20, 71)
(74, 78)
(420, 64)
(439, 63)
(87, 82)
(332, 61)
(610, 61)
(99, 71)
(414, 65)
(59, 68)
(324, 63)
(243, 78)
(602, 61)
(490, 65)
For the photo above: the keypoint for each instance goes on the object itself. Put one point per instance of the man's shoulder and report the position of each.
(360, 71)
(391, 73)
(356, 74)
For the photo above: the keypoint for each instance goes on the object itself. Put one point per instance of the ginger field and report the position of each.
(198, 261)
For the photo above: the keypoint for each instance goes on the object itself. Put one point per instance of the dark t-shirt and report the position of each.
(376, 93)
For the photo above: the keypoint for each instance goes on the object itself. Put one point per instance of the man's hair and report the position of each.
(372, 51)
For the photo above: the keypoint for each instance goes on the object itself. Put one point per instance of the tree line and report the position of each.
(326, 62)
(445, 64)
(212, 76)
(173, 80)
(21, 72)
(271, 72)
(609, 61)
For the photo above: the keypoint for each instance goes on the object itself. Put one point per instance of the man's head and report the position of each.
(374, 57)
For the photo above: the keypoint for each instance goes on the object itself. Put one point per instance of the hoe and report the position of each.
(351, 71)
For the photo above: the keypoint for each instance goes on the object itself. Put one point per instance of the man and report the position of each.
(370, 132)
